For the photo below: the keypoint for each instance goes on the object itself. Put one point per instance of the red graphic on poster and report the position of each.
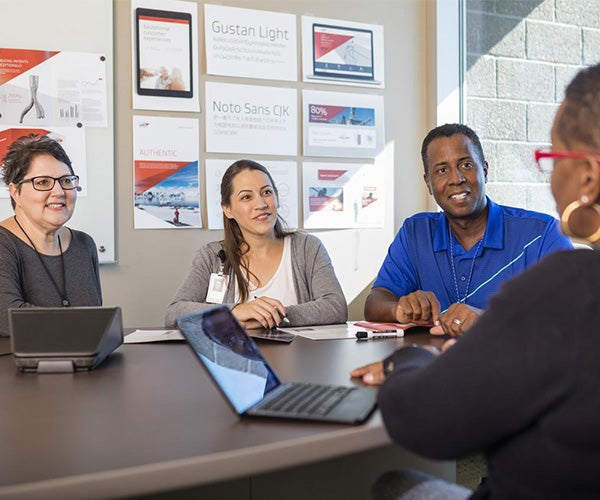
(148, 173)
(326, 42)
(369, 195)
(330, 175)
(10, 135)
(15, 62)
(322, 113)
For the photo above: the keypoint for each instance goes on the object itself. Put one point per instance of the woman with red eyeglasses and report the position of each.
(43, 262)
(523, 384)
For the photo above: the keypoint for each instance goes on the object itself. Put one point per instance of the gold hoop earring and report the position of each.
(566, 215)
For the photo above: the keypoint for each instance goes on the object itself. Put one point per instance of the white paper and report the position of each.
(143, 336)
(251, 119)
(338, 124)
(165, 44)
(48, 88)
(338, 52)
(285, 176)
(250, 43)
(165, 158)
(342, 195)
(325, 332)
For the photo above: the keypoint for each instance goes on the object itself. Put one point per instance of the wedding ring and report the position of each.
(457, 321)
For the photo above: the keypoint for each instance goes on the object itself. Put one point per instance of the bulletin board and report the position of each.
(82, 27)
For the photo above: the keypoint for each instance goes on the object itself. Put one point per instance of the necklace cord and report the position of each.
(62, 293)
(464, 298)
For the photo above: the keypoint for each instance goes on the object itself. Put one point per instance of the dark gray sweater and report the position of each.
(25, 283)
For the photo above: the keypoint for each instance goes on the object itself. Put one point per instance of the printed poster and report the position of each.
(165, 55)
(342, 52)
(285, 176)
(43, 88)
(251, 119)
(165, 157)
(346, 125)
(250, 43)
(341, 195)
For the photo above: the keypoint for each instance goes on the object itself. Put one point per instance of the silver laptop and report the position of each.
(63, 339)
(252, 388)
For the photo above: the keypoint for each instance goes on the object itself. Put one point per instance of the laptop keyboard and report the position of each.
(307, 399)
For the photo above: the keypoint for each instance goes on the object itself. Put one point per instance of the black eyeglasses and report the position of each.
(46, 183)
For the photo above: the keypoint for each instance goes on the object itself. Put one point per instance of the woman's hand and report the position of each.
(262, 312)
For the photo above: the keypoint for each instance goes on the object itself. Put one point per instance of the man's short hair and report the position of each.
(580, 118)
(448, 130)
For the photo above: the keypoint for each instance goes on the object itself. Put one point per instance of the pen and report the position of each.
(284, 317)
(381, 334)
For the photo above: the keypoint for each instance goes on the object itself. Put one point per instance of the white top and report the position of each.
(281, 285)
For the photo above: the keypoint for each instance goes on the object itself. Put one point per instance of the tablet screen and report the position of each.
(164, 53)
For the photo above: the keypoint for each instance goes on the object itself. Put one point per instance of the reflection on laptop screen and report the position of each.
(230, 356)
(342, 52)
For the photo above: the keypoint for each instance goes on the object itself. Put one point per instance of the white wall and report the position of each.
(152, 263)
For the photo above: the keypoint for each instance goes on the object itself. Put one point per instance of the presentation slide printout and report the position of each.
(166, 185)
(72, 139)
(346, 125)
(342, 52)
(165, 55)
(285, 176)
(251, 119)
(250, 43)
(342, 195)
(42, 87)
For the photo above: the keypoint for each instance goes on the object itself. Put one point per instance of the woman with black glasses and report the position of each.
(43, 262)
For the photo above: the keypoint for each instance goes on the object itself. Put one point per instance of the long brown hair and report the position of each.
(234, 244)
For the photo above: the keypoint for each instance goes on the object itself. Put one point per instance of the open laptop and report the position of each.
(342, 53)
(248, 383)
(63, 339)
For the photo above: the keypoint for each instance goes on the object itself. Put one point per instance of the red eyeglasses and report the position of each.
(545, 159)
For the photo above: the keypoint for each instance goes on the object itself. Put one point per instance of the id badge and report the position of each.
(217, 287)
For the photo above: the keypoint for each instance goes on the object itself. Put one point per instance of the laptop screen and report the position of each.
(342, 52)
(230, 356)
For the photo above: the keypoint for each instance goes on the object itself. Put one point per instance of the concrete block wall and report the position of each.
(520, 56)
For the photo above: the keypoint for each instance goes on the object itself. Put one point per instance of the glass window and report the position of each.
(517, 57)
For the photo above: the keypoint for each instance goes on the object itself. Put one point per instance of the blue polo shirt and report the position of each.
(419, 256)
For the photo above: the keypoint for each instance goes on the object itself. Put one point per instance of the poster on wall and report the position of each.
(338, 124)
(42, 87)
(251, 119)
(284, 175)
(165, 55)
(342, 52)
(166, 185)
(341, 195)
(72, 139)
(250, 43)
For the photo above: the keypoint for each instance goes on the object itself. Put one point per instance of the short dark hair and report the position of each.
(448, 130)
(23, 151)
(580, 118)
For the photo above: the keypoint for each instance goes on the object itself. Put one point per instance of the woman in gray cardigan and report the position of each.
(265, 274)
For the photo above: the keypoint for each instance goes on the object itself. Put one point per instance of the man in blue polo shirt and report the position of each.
(442, 267)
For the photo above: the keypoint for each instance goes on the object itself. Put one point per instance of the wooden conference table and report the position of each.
(149, 422)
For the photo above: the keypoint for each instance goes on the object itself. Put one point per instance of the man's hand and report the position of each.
(370, 374)
(457, 319)
(418, 307)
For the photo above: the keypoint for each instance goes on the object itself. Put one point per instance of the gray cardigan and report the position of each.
(320, 297)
